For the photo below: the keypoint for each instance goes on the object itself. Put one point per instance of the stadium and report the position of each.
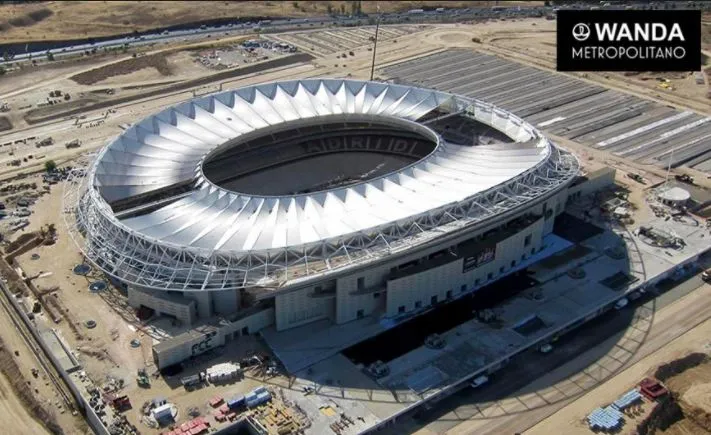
(281, 204)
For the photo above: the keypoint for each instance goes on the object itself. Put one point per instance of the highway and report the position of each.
(313, 23)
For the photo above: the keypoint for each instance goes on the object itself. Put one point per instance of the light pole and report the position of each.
(375, 44)
(671, 156)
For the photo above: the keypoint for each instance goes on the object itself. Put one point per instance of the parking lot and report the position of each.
(323, 42)
(250, 51)
(626, 125)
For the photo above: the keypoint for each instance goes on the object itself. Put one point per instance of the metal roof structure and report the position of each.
(183, 232)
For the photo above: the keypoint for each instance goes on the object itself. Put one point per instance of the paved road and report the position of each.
(511, 403)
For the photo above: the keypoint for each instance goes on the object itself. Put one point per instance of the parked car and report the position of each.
(479, 381)
(620, 304)
(545, 348)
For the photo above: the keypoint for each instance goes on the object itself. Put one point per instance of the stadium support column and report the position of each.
(375, 45)
(203, 300)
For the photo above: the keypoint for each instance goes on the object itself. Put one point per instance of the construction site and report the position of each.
(77, 357)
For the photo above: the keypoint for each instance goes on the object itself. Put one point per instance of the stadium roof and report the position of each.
(206, 221)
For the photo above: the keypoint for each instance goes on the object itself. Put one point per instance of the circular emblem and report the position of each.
(581, 32)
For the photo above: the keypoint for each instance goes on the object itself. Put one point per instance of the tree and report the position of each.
(329, 9)
(50, 166)
(50, 56)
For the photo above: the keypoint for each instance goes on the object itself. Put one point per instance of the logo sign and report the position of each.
(629, 40)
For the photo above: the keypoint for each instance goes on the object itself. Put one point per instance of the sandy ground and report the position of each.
(114, 319)
(60, 258)
(70, 20)
(566, 395)
(531, 35)
(15, 417)
(93, 137)
(11, 411)
(570, 418)
(57, 262)
(534, 42)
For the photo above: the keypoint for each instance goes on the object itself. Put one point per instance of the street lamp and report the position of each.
(375, 44)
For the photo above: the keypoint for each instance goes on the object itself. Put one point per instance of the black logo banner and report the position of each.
(629, 40)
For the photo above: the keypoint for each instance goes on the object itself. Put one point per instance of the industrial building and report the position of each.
(286, 203)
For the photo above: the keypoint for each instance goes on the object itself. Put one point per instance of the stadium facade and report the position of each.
(286, 203)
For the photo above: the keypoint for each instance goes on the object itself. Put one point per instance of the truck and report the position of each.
(636, 177)
(684, 178)
(73, 144)
(45, 142)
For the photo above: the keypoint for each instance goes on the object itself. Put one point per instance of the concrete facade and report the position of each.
(182, 308)
(396, 286)
(373, 291)
(204, 338)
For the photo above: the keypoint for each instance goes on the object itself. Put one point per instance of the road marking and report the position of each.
(551, 121)
(643, 129)
(665, 135)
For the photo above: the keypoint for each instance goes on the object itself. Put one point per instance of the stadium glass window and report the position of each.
(527, 240)
(463, 288)
(489, 276)
(361, 283)
(376, 295)
(418, 304)
(433, 300)
(401, 309)
(360, 314)
(449, 294)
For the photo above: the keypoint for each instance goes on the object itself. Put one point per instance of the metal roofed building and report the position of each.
(314, 197)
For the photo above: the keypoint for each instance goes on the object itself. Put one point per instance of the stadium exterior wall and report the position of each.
(297, 306)
(343, 307)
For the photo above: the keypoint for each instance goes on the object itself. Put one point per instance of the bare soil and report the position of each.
(83, 19)
(156, 61)
(5, 123)
(18, 383)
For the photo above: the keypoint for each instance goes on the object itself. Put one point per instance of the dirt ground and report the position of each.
(534, 42)
(571, 418)
(15, 417)
(14, 414)
(71, 20)
(105, 350)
